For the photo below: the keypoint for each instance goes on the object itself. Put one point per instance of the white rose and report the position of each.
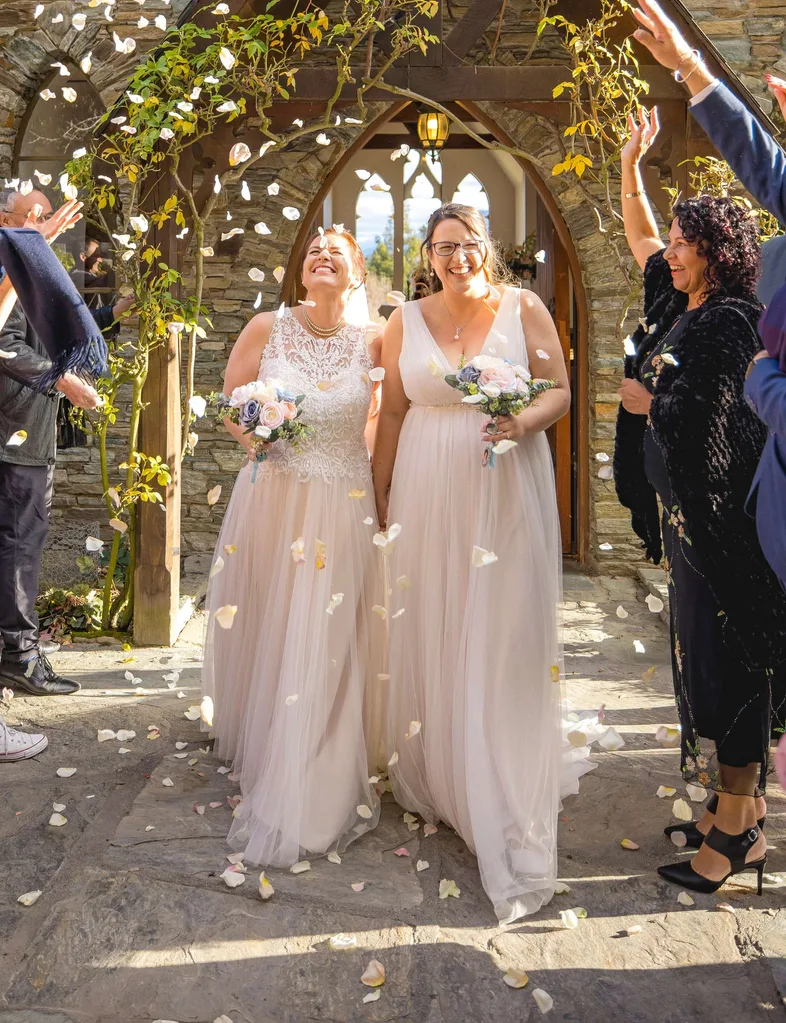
(482, 362)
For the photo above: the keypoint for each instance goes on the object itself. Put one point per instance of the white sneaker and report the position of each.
(19, 745)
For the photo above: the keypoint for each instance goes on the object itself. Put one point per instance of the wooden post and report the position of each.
(157, 576)
(564, 447)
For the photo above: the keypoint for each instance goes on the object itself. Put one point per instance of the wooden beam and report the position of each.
(157, 576)
(472, 84)
(394, 141)
(469, 30)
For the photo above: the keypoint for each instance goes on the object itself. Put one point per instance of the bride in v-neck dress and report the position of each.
(471, 658)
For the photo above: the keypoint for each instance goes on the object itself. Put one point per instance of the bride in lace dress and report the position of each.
(473, 719)
(288, 679)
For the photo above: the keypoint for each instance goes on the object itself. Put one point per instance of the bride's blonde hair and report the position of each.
(493, 265)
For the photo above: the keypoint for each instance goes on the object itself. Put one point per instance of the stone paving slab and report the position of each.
(135, 926)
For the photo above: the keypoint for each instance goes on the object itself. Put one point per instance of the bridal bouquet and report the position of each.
(267, 411)
(497, 387)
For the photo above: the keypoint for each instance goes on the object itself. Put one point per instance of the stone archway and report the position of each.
(598, 294)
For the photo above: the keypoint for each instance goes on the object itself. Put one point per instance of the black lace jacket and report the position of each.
(712, 441)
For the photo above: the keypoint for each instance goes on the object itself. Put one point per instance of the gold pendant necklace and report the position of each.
(456, 336)
(322, 331)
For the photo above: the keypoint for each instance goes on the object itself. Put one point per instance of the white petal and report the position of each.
(422, 865)
(273, 188)
(227, 58)
(543, 1000)
(57, 820)
(414, 728)
(365, 812)
(29, 897)
(333, 857)
(266, 889)
(504, 445)
(685, 900)
(605, 473)
(681, 810)
(16, 439)
(214, 494)
(65, 772)
(193, 713)
(218, 565)
(338, 942)
(256, 274)
(226, 615)
(291, 700)
(569, 919)
(448, 889)
(374, 974)
(233, 878)
(197, 404)
(655, 604)
(378, 373)
(638, 646)
(696, 793)
(322, 139)
(482, 557)
(206, 711)
(291, 213)
(393, 760)
(516, 978)
(611, 740)
(125, 735)
(105, 734)
(167, 783)
(665, 791)
(372, 996)
(300, 868)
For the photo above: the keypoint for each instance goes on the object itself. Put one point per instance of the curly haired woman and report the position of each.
(686, 433)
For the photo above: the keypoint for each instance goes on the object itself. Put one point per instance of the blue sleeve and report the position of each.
(765, 389)
(751, 152)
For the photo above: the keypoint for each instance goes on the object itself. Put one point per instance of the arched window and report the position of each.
(374, 231)
(471, 192)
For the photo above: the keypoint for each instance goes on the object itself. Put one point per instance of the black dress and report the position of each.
(710, 670)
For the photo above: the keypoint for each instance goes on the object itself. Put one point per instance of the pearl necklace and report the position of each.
(456, 336)
(322, 331)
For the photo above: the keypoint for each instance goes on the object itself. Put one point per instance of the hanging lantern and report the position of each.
(433, 131)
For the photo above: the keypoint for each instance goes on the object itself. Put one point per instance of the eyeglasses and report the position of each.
(473, 248)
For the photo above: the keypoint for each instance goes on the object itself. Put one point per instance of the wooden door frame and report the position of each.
(581, 398)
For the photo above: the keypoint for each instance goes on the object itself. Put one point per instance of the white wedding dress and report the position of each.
(288, 680)
(471, 657)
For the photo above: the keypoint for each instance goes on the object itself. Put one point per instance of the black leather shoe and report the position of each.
(48, 646)
(37, 677)
(734, 847)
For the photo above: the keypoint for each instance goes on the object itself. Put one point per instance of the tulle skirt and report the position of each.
(474, 723)
(288, 679)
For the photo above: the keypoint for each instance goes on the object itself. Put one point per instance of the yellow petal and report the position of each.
(627, 844)
(357, 494)
(266, 889)
(516, 978)
(374, 974)
(226, 615)
(648, 674)
(555, 673)
(448, 889)
(230, 548)
(16, 439)
(664, 791)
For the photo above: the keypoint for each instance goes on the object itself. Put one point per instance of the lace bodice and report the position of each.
(332, 373)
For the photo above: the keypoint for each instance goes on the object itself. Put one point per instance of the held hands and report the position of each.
(507, 428)
(661, 36)
(642, 134)
(635, 397)
(78, 392)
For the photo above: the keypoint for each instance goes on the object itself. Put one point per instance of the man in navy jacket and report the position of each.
(760, 164)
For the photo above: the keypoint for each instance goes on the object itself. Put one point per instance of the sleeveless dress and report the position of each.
(471, 657)
(288, 679)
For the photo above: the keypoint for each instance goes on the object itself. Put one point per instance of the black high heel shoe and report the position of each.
(734, 847)
(693, 836)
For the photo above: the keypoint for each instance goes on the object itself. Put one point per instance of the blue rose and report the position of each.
(468, 375)
(286, 396)
(249, 413)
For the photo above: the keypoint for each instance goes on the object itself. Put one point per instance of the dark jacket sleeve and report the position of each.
(765, 389)
(752, 153)
(105, 318)
(27, 365)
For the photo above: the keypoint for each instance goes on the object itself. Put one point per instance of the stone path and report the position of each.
(135, 925)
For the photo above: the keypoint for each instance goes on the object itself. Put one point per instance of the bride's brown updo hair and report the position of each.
(493, 265)
(357, 259)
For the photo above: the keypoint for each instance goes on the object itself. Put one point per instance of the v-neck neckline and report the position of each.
(440, 349)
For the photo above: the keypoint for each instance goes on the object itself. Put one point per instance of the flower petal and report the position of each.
(374, 974)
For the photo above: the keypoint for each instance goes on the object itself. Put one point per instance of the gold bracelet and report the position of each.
(634, 195)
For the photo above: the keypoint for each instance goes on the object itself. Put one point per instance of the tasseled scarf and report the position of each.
(53, 306)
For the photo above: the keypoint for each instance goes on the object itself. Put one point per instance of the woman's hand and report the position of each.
(507, 428)
(60, 221)
(642, 134)
(635, 397)
(661, 36)
(382, 510)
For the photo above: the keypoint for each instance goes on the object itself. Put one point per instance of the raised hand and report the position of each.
(642, 134)
(661, 36)
(61, 220)
(777, 87)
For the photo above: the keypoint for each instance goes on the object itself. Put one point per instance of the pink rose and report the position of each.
(502, 377)
(272, 414)
(290, 409)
